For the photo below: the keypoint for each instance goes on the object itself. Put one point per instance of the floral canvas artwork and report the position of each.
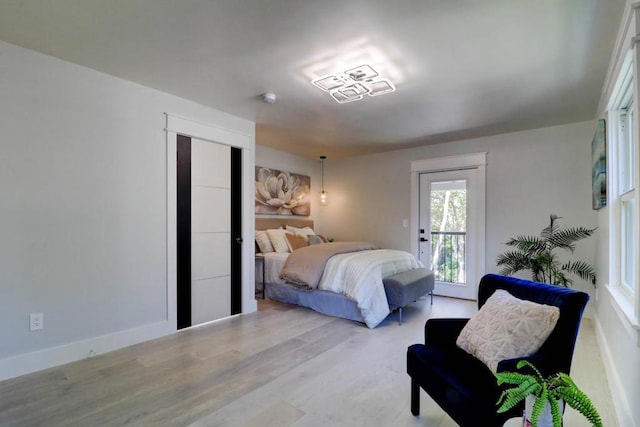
(282, 193)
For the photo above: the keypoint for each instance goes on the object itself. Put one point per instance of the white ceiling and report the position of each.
(462, 68)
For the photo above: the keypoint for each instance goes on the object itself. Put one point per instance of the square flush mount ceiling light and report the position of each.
(354, 84)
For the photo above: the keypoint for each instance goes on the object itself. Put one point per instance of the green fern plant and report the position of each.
(555, 388)
(538, 255)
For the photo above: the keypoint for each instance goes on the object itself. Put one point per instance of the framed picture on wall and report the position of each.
(599, 166)
(282, 193)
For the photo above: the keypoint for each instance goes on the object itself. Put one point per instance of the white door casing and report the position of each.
(472, 169)
(209, 132)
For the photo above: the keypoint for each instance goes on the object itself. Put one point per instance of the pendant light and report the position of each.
(324, 196)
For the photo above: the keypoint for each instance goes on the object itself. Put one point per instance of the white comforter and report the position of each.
(359, 275)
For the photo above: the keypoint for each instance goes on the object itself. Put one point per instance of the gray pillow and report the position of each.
(314, 240)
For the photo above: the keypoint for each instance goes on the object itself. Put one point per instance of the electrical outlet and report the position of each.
(36, 321)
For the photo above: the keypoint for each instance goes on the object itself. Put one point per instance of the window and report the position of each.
(623, 190)
(625, 172)
(628, 247)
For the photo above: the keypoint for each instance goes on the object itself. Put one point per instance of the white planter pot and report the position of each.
(545, 420)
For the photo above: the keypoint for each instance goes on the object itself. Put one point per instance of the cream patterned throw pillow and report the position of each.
(506, 327)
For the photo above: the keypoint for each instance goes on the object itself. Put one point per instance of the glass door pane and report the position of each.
(448, 244)
(449, 230)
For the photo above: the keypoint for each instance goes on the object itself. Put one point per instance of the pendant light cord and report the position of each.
(322, 165)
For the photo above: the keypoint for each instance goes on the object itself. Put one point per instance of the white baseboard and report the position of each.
(22, 364)
(620, 401)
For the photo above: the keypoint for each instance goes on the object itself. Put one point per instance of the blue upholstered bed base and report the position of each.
(321, 301)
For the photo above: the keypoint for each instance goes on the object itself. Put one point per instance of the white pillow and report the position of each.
(263, 242)
(278, 240)
(306, 231)
(506, 327)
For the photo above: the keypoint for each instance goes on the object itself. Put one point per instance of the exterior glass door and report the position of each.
(446, 232)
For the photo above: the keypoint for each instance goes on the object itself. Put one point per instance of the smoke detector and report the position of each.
(269, 98)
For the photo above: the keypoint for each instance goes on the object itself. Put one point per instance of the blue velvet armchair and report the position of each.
(462, 385)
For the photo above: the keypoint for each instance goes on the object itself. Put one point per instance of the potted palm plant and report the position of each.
(538, 255)
(546, 396)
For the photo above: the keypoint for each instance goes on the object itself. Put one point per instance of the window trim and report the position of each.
(625, 301)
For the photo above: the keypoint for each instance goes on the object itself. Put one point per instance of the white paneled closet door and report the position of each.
(210, 231)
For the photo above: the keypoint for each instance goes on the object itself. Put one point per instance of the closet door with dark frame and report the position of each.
(208, 237)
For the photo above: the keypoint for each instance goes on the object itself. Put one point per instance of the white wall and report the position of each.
(530, 175)
(83, 190)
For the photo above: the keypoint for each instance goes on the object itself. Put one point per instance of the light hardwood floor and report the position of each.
(281, 366)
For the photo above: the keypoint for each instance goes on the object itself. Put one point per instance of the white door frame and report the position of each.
(209, 132)
(476, 161)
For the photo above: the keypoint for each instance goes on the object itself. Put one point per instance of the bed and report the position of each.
(349, 285)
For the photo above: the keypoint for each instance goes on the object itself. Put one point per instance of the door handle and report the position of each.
(423, 239)
(239, 240)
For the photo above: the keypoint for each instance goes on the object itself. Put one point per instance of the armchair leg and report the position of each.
(415, 397)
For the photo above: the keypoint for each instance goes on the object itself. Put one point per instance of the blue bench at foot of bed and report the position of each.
(406, 287)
